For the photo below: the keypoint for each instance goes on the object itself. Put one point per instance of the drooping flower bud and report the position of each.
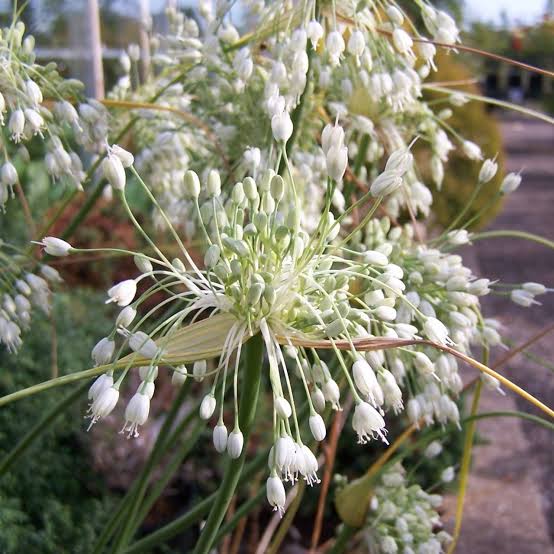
(55, 246)
(114, 172)
(281, 125)
(317, 427)
(276, 493)
(488, 171)
(207, 406)
(220, 437)
(122, 293)
(235, 444)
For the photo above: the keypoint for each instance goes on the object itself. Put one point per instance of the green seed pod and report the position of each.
(260, 221)
(266, 180)
(335, 328)
(277, 187)
(330, 284)
(250, 230)
(212, 256)
(270, 295)
(236, 268)
(256, 278)
(206, 212)
(255, 293)
(281, 232)
(268, 204)
(221, 271)
(342, 281)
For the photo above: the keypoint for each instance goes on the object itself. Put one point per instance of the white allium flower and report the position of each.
(447, 475)
(335, 47)
(55, 246)
(436, 330)
(276, 493)
(136, 413)
(179, 376)
(101, 383)
(315, 32)
(140, 342)
(113, 171)
(402, 41)
(282, 407)
(368, 423)
(510, 183)
(123, 293)
(282, 127)
(103, 404)
(488, 171)
(433, 449)
(472, 150)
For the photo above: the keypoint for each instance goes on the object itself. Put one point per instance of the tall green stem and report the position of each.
(253, 350)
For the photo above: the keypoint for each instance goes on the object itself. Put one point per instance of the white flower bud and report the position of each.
(34, 120)
(435, 330)
(331, 393)
(192, 184)
(400, 161)
(413, 410)
(114, 172)
(488, 171)
(317, 427)
(214, 183)
(122, 293)
(534, 288)
(33, 92)
(373, 257)
(318, 400)
(423, 364)
(395, 15)
(386, 183)
(235, 444)
(179, 376)
(55, 246)
(8, 174)
(103, 351)
(199, 370)
(207, 406)
(125, 317)
(220, 437)
(472, 150)
(281, 125)
(402, 41)
(126, 158)
(337, 160)
(433, 449)
(510, 183)
(144, 265)
(282, 407)
(366, 382)
(447, 475)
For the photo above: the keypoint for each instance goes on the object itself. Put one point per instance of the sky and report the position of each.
(525, 11)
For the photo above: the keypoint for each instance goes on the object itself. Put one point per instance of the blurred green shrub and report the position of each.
(50, 500)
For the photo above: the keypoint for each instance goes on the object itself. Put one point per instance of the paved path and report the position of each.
(510, 502)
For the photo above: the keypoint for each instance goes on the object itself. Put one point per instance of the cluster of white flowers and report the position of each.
(24, 86)
(21, 290)
(404, 518)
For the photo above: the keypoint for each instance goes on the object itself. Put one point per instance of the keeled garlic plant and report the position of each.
(285, 152)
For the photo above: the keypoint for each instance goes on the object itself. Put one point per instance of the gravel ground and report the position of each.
(510, 502)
